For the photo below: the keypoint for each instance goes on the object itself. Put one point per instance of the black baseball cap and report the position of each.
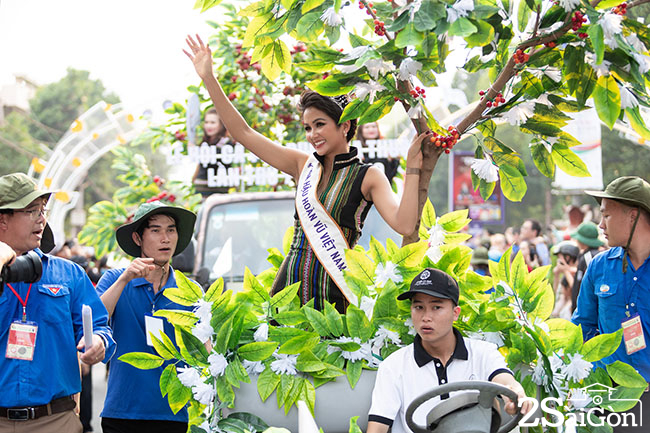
(433, 282)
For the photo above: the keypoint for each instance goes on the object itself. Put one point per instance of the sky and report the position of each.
(132, 46)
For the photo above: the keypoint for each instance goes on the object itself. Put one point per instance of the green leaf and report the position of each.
(354, 427)
(257, 351)
(185, 319)
(408, 36)
(177, 394)
(225, 391)
(330, 86)
(266, 383)
(354, 109)
(333, 319)
(276, 59)
(568, 161)
(454, 221)
(166, 377)
(601, 346)
(310, 4)
(317, 321)
(625, 375)
(310, 26)
(186, 293)
(426, 17)
(214, 291)
(595, 32)
(360, 266)
(194, 346)
(607, 99)
(483, 36)
(300, 343)
(410, 255)
(308, 362)
(462, 27)
(354, 372)
(634, 116)
(162, 349)
(308, 394)
(142, 360)
(585, 86)
(428, 214)
(357, 323)
(543, 160)
(377, 110)
(285, 296)
(523, 15)
(513, 184)
(564, 335)
(256, 27)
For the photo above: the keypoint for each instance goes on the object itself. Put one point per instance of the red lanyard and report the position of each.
(23, 303)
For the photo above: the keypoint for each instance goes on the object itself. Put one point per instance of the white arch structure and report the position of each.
(94, 133)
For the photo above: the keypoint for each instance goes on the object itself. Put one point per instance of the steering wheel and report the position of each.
(483, 400)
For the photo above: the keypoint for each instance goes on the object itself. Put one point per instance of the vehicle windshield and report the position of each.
(239, 234)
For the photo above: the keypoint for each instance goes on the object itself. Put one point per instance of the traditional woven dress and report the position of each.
(343, 200)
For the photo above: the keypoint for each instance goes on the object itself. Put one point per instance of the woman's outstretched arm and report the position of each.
(401, 217)
(283, 158)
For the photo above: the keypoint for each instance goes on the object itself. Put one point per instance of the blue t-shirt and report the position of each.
(133, 393)
(54, 303)
(604, 294)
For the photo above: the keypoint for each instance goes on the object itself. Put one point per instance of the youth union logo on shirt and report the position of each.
(52, 288)
(604, 288)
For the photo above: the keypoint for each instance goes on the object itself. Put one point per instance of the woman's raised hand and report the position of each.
(414, 155)
(200, 55)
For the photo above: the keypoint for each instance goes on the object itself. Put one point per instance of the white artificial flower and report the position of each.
(506, 288)
(611, 25)
(356, 52)
(205, 425)
(368, 90)
(643, 61)
(437, 234)
(408, 68)
(490, 337)
(543, 100)
(628, 100)
(253, 367)
(409, 324)
(579, 398)
(434, 253)
(519, 113)
(400, 3)
(218, 364)
(542, 325)
(416, 112)
(636, 43)
(189, 376)
(461, 8)
(377, 66)
(488, 57)
(331, 18)
(348, 69)
(569, 5)
(414, 8)
(204, 393)
(203, 331)
(367, 305)
(262, 333)
(382, 335)
(578, 368)
(485, 169)
(554, 74)
(284, 364)
(203, 310)
(602, 69)
(539, 372)
(386, 272)
(363, 352)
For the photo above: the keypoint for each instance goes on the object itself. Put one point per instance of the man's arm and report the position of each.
(376, 427)
(7, 255)
(586, 312)
(508, 380)
(139, 268)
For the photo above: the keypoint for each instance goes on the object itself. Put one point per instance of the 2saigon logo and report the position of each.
(595, 416)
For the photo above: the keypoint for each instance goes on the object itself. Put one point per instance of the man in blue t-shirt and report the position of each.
(615, 290)
(131, 296)
(41, 326)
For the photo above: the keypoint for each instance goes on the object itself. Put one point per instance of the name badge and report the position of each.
(22, 340)
(633, 334)
(155, 326)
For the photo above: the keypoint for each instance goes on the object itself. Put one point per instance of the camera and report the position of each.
(26, 268)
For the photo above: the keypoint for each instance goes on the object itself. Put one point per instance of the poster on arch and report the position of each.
(463, 196)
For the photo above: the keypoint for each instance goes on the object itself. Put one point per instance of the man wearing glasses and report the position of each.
(41, 323)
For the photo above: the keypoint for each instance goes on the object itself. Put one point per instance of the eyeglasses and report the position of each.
(35, 214)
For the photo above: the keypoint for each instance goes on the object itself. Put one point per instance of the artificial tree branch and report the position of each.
(637, 3)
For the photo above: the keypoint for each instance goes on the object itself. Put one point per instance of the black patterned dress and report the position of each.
(343, 200)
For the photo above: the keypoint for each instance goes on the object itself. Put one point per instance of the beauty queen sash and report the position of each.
(323, 233)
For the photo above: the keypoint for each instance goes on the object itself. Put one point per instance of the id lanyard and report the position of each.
(23, 303)
(630, 297)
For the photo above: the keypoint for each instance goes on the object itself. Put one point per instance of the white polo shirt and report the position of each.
(411, 371)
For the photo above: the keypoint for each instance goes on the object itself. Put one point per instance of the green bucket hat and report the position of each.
(587, 233)
(480, 256)
(630, 189)
(184, 218)
(17, 191)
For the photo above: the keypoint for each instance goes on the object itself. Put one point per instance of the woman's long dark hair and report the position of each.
(309, 98)
(221, 132)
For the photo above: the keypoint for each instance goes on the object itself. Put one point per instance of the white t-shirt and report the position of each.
(411, 371)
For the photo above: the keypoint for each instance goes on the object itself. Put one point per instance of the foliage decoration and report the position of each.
(294, 349)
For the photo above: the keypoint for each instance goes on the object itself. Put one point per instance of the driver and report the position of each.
(439, 354)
